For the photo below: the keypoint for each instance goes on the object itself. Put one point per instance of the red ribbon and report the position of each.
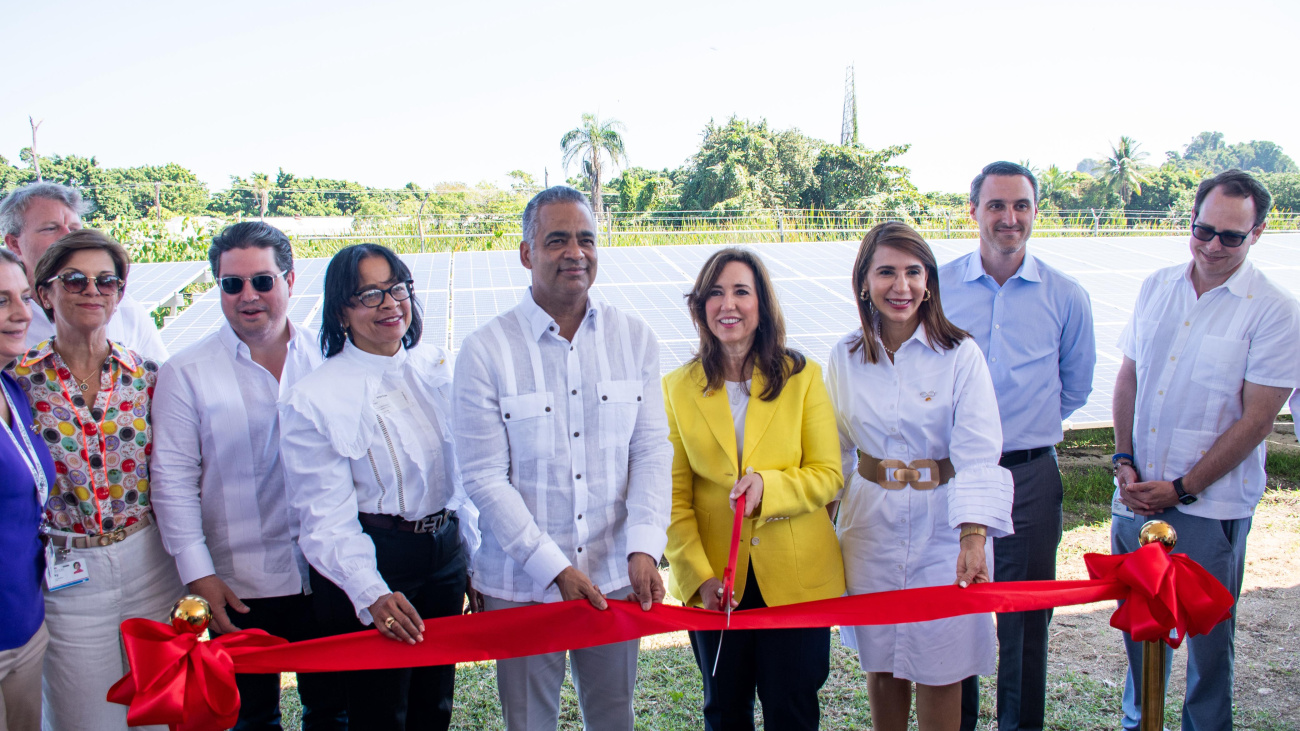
(177, 680)
(1170, 594)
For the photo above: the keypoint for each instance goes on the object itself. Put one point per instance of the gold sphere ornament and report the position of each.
(1158, 531)
(191, 613)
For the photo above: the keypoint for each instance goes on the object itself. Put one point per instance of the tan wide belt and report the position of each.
(905, 474)
(69, 540)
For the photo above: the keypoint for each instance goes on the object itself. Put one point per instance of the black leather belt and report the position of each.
(427, 524)
(1021, 456)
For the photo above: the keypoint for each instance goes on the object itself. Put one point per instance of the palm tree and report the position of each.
(589, 142)
(1122, 171)
(1055, 183)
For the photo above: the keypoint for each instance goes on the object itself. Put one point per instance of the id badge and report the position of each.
(392, 402)
(1117, 507)
(62, 569)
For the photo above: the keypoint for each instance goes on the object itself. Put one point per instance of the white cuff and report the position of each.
(365, 589)
(646, 539)
(546, 563)
(982, 495)
(194, 563)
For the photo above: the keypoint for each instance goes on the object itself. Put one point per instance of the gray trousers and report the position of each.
(604, 677)
(1220, 547)
(1027, 555)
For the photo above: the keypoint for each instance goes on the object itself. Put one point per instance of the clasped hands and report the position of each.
(1144, 498)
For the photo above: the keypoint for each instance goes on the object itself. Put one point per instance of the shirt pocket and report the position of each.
(620, 402)
(1145, 339)
(1221, 364)
(1186, 448)
(530, 424)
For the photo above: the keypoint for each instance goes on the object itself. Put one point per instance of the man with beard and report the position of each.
(1034, 324)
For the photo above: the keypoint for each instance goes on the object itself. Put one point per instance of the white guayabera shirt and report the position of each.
(564, 448)
(132, 326)
(372, 434)
(218, 482)
(1193, 358)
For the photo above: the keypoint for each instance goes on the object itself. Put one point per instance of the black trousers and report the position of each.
(1027, 555)
(785, 666)
(429, 569)
(292, 618)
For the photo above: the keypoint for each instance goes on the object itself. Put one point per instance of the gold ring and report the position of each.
(388, 623)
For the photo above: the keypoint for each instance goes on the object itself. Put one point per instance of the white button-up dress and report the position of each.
(927, 404)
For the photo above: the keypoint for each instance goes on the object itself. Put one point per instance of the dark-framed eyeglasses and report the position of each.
(1230, 239)
(261, 282)
(375, 297)
(76, 282)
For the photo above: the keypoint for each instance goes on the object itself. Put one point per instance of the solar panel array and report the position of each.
(463, 291)
(160, 285)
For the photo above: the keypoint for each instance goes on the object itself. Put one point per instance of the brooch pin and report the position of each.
(927, 395)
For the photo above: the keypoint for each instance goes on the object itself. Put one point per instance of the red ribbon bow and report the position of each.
(189, 685)
(1170, 595)
(179, 680)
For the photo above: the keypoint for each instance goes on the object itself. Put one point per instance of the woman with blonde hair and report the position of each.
(920, 438)
(748, 415)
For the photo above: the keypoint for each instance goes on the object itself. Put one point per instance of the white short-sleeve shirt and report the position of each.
(1193, 358)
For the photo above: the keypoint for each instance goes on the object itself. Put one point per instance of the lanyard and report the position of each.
(25, 450)
(99, 427)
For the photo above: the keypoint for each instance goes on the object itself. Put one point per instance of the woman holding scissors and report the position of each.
(749, 416)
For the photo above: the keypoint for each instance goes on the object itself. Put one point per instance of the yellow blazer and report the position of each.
(793, 443)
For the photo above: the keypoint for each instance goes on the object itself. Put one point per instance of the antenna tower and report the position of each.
(849, 127)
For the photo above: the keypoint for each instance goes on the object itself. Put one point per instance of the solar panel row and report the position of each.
(461, 292)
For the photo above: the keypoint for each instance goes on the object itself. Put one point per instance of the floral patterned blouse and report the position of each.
(101, 451)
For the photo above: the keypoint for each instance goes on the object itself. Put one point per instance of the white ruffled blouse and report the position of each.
(370, 433)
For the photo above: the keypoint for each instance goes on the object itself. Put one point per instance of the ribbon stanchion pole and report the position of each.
(1153, 651)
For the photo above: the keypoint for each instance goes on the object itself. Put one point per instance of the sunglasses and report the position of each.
(375, 297)
(76, 282)
(1227, 238)
(261, 282)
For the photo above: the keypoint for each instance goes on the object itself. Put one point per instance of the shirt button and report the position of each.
(1161, 392)
(551, 328)
(579, 476)
(1187, 323)
(574, 392)
(892, 430)
(579, 516)
(1151, 466)
(1153, 430)
(1173, 357)
(997, 327)
(753, 541)
(994, 359)
(579, 549)
(548, 409)
(999, 294)
(575, 435)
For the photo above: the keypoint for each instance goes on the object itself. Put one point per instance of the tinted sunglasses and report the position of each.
(375, 297)
(76, 282)
(261, 282)
(1227, 238)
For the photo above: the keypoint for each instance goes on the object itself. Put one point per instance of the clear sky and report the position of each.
(389, 92)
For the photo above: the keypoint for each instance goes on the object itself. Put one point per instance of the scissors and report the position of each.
(729, 574)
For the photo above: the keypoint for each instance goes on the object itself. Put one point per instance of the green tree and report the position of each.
(1056, 186)
(1165, 189)
(1122, 171)
(590, 142)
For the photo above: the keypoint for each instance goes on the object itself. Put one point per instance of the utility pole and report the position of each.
(849, 123)
(36, 159)
(157, 199)
(546, 179)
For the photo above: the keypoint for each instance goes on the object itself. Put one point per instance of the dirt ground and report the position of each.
(1268, 618)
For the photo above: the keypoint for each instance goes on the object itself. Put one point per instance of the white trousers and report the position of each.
(20, 684)
(134, 578)
(604, 677)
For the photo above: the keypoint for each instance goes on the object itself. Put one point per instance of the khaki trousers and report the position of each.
(20, 683)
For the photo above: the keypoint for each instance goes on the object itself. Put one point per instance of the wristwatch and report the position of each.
(1184, 496)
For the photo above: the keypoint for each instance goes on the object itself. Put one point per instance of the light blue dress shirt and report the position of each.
(1036, 334)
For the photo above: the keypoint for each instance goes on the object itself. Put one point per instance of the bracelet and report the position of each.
(970, 529)
(1116, 457)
